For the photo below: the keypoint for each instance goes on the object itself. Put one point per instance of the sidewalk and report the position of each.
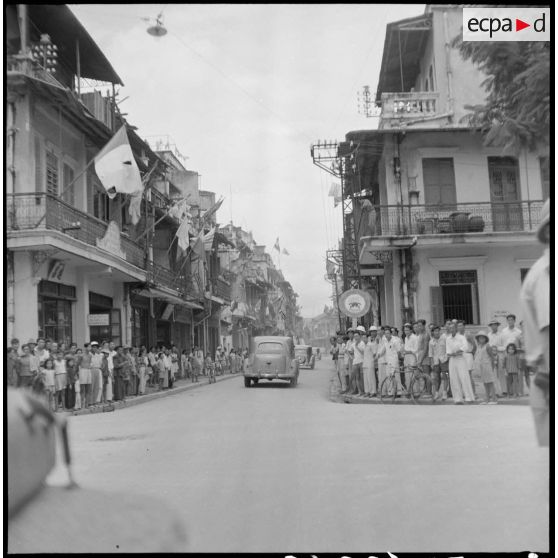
(336, 396)
(151, 394)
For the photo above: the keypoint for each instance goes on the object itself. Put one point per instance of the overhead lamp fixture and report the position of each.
(157, 30)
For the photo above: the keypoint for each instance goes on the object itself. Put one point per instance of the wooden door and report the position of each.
(504, 191)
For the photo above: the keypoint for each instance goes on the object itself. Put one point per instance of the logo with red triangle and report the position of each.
(520, 24)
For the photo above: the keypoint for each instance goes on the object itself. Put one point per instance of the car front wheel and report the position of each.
(246, 382)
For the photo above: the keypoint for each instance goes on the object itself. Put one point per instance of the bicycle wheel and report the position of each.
(421, 388)
(388, 389)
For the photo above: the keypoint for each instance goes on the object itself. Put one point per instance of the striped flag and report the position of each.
(208, 240)
(116, 167)
(197, 245)
(135, 207)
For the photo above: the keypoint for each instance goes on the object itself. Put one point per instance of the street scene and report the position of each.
(226, 334)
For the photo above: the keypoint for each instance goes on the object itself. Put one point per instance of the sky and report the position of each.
(243, 90)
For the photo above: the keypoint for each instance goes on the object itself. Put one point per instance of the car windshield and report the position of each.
(301, 351)
(269, 347)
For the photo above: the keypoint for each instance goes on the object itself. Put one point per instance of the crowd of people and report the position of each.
(73, 378)
(456, 361)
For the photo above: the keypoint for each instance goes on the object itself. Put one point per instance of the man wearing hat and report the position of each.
(85, 376)
(497, 348)
(96, 373)
(484, 368)
(348, 360)
(535, 307)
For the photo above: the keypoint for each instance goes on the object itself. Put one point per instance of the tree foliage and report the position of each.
(517, 109)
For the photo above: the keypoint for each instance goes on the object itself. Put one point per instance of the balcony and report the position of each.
(221, 289)
(460, 218)
(410, 106)
(22, 64)
(40, 211)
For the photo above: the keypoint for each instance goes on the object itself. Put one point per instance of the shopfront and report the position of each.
(104, 320)
(55, 311)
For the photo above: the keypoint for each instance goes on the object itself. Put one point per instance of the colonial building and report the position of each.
(77, 268)
(443, 224)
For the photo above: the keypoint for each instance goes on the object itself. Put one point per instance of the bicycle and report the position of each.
(419, 390)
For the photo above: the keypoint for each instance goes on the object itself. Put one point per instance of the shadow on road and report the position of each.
(270, 385)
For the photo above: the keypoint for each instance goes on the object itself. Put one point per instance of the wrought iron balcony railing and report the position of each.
(22, 64)
(459, 218)
(409, 105)
(40, 211)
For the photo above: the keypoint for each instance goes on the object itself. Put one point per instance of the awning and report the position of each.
(403, 49)
(214, 299)
(151, 292)
(65, 29)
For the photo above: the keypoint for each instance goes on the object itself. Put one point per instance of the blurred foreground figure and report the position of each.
(535, 306)
(71, 519)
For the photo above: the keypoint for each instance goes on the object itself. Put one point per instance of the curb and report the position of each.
(139, 399)
(336, 397)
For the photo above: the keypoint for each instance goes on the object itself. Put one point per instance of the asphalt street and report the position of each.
(281, 469)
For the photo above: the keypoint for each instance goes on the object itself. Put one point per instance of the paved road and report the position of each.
(278, 469)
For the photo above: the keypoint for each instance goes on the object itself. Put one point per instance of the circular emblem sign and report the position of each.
(354, 303)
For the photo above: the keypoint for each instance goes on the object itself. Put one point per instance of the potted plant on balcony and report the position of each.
(476, 223)
(459, 221)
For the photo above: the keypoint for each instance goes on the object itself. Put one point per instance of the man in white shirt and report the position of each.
(497, 345)
(369, 364)
(439, 362)
(381, 357)
(456, 345)
(348, 360)
(357, 381)
(511, 333)
(390, 350)
(536, 308)
(410, 350)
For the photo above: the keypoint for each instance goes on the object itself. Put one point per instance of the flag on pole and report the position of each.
(212, 210)
(285, 252)
(135, 207)
(208, 240)
(116, 167)
(276, 247)
(182, 234)
(179, 209)
(335, 189)
(197, 245)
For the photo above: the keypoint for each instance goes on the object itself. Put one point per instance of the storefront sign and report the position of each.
(354, 303)
(111, 241)
(56, 270)
(98, 319)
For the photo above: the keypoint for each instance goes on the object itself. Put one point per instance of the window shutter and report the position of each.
(67, 180)
(436, 306)
(51, 173)
(38, 165)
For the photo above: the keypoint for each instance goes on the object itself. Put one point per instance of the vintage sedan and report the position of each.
(271, 358)
(304, 356)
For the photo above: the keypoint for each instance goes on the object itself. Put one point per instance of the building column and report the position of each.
(79, 319)
(25, 298)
